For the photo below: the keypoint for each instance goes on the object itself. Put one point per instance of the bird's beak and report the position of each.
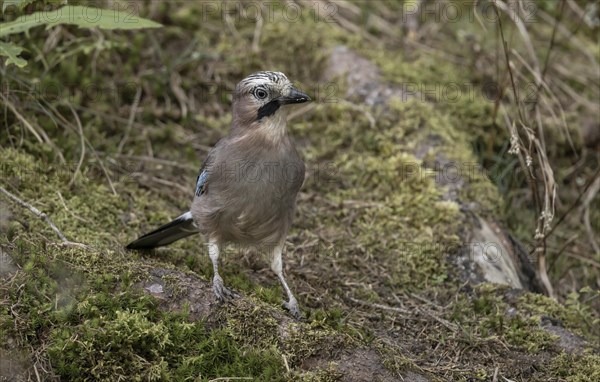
(295, 96)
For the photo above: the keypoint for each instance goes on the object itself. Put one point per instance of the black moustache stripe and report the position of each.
(268, 109)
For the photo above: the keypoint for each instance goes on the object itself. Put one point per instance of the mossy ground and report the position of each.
(370, 232)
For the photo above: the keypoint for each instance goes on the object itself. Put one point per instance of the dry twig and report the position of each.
(525, 154)
(43, 216)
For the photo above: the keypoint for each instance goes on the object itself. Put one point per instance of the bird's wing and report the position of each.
(179, 228)
(201, 181)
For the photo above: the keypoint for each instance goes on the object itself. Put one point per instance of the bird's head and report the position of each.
(259, 99)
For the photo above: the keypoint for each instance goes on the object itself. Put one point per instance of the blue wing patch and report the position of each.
(201, 182)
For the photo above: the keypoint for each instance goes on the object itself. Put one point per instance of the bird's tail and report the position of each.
(179, 228)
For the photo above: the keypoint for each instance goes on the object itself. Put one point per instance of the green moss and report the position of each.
(304, 341)
(329, 374)
(527, 334)
(574, 368)
(128, 337)
(445, 104)
(395, 360)
(79, 302)
(573, 315)
(487, 317)
(394, 197)
(248, 324)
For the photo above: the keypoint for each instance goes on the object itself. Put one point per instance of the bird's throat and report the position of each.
(273, 128)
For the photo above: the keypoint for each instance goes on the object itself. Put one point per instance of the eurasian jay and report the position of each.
(247, 186)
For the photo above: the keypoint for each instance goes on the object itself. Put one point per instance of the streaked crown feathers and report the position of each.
(268, 81)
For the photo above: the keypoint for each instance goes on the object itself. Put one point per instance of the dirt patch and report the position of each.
(175, 289)
(362, 365)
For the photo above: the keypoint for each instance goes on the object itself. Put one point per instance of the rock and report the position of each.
(569, 342)
(362, 76)
(489, 254)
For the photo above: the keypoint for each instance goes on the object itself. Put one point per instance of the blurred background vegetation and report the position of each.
(104, 129)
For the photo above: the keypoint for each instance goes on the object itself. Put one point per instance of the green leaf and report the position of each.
(20, 4)
(84, 17)
(12, 51)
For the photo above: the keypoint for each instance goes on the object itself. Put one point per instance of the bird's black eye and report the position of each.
(260, 93)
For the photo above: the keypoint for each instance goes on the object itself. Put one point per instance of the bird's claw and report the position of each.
(222, 293)
(292, 307)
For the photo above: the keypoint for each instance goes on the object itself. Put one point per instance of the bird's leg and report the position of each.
(221, 292)
(277, 267)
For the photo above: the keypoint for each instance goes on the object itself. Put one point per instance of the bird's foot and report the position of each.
(222, 293)
(292, 306)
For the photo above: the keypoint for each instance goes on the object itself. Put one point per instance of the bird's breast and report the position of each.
(251, 196)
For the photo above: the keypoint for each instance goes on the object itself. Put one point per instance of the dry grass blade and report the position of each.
(257, 32)
(549, 106)
(379, 306)
(560, 8)
(589, 197)
(132, 112)
(146, 158)
(522, 30)
(21, 118)
(82, 142)
(575, 203)
(68, 124)
(573, 40)
(326, 10)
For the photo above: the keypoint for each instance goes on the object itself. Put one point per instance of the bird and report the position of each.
(247, 186)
